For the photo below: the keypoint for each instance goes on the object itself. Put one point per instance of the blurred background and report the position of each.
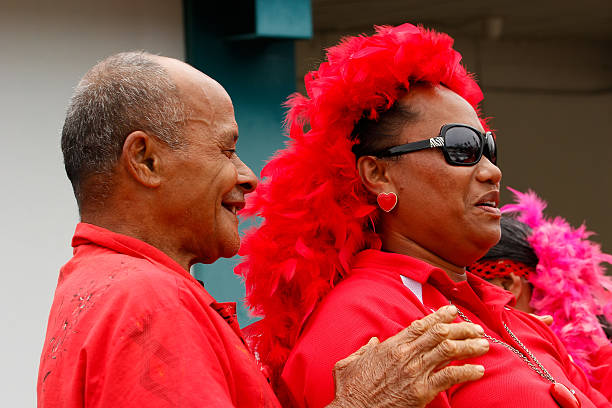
(545, 68)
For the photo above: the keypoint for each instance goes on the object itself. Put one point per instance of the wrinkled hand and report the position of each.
(405, 370)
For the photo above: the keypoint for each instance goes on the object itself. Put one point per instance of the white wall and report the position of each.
(45, 47)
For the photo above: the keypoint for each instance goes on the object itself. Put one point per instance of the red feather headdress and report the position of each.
(569, 282)
(316, 212)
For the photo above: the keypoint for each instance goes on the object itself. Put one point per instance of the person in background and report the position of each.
(554, 269)
(388, 188)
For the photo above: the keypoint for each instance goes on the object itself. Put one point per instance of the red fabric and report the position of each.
(602, 371)
(373, 301)
(130, 327)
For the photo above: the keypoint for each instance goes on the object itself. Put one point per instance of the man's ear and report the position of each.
(141, 158)
(374, 175)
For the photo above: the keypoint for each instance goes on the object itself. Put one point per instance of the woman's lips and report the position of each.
(489, 209)
(489, 203)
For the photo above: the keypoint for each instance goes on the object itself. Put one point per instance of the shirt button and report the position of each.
(506, 307)
(455, 290)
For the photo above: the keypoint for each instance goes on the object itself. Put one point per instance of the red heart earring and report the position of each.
(387, 201)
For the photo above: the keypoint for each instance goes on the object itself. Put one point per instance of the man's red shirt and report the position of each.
(130, 327)
(374, 301)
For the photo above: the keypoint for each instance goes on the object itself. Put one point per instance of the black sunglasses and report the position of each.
(462, 145)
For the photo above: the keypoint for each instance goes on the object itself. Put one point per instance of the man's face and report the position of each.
(439, 204)
(206, 181)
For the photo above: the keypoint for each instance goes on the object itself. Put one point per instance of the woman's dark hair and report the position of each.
(513, 243)
(375, 135)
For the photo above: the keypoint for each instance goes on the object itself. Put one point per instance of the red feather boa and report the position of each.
(316, 212)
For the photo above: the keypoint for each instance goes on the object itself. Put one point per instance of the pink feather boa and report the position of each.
(316, 212)
(570, 282)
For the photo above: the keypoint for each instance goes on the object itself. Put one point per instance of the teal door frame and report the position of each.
(248, 47)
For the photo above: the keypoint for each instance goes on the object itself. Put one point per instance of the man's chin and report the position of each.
(226, 248)
(230, 247)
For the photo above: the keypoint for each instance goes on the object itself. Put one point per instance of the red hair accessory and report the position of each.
(316, 212)
(499, 268)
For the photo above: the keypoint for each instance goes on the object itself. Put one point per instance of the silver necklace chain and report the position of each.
(538, 369)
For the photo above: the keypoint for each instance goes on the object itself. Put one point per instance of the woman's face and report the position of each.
(440, 206)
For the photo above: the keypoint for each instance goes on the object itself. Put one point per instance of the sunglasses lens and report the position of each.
(463, 145)
(490, 148)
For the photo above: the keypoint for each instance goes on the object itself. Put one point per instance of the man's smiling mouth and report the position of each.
(233, 206)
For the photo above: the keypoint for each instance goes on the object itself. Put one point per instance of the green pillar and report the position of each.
(248, 47)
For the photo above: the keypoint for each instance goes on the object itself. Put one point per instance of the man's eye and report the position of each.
(230, 153)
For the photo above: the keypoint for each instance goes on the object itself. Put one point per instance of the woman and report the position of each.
(554, 269)
(372, 214)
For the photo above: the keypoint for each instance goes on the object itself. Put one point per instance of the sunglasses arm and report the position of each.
(412, 147)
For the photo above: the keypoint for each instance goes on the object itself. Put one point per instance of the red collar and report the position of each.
(89, 234)
(407, 266)
(423, 272)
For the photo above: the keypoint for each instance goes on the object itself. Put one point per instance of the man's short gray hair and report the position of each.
(125, 92)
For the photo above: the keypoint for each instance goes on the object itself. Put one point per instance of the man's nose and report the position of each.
(246, 178)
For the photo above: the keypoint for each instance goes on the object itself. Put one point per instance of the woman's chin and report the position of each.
(489, 237)
(480, 249)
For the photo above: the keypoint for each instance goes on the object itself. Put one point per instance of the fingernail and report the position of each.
(480, 369)
(479, 329)
(452, 309)
(483, 342)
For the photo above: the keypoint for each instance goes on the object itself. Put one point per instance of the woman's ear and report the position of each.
(141, 158)
(374, 175)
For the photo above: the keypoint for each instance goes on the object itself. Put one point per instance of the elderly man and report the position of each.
(149, 146)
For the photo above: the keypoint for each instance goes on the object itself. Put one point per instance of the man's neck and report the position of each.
(396, 243)
(127, 223)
